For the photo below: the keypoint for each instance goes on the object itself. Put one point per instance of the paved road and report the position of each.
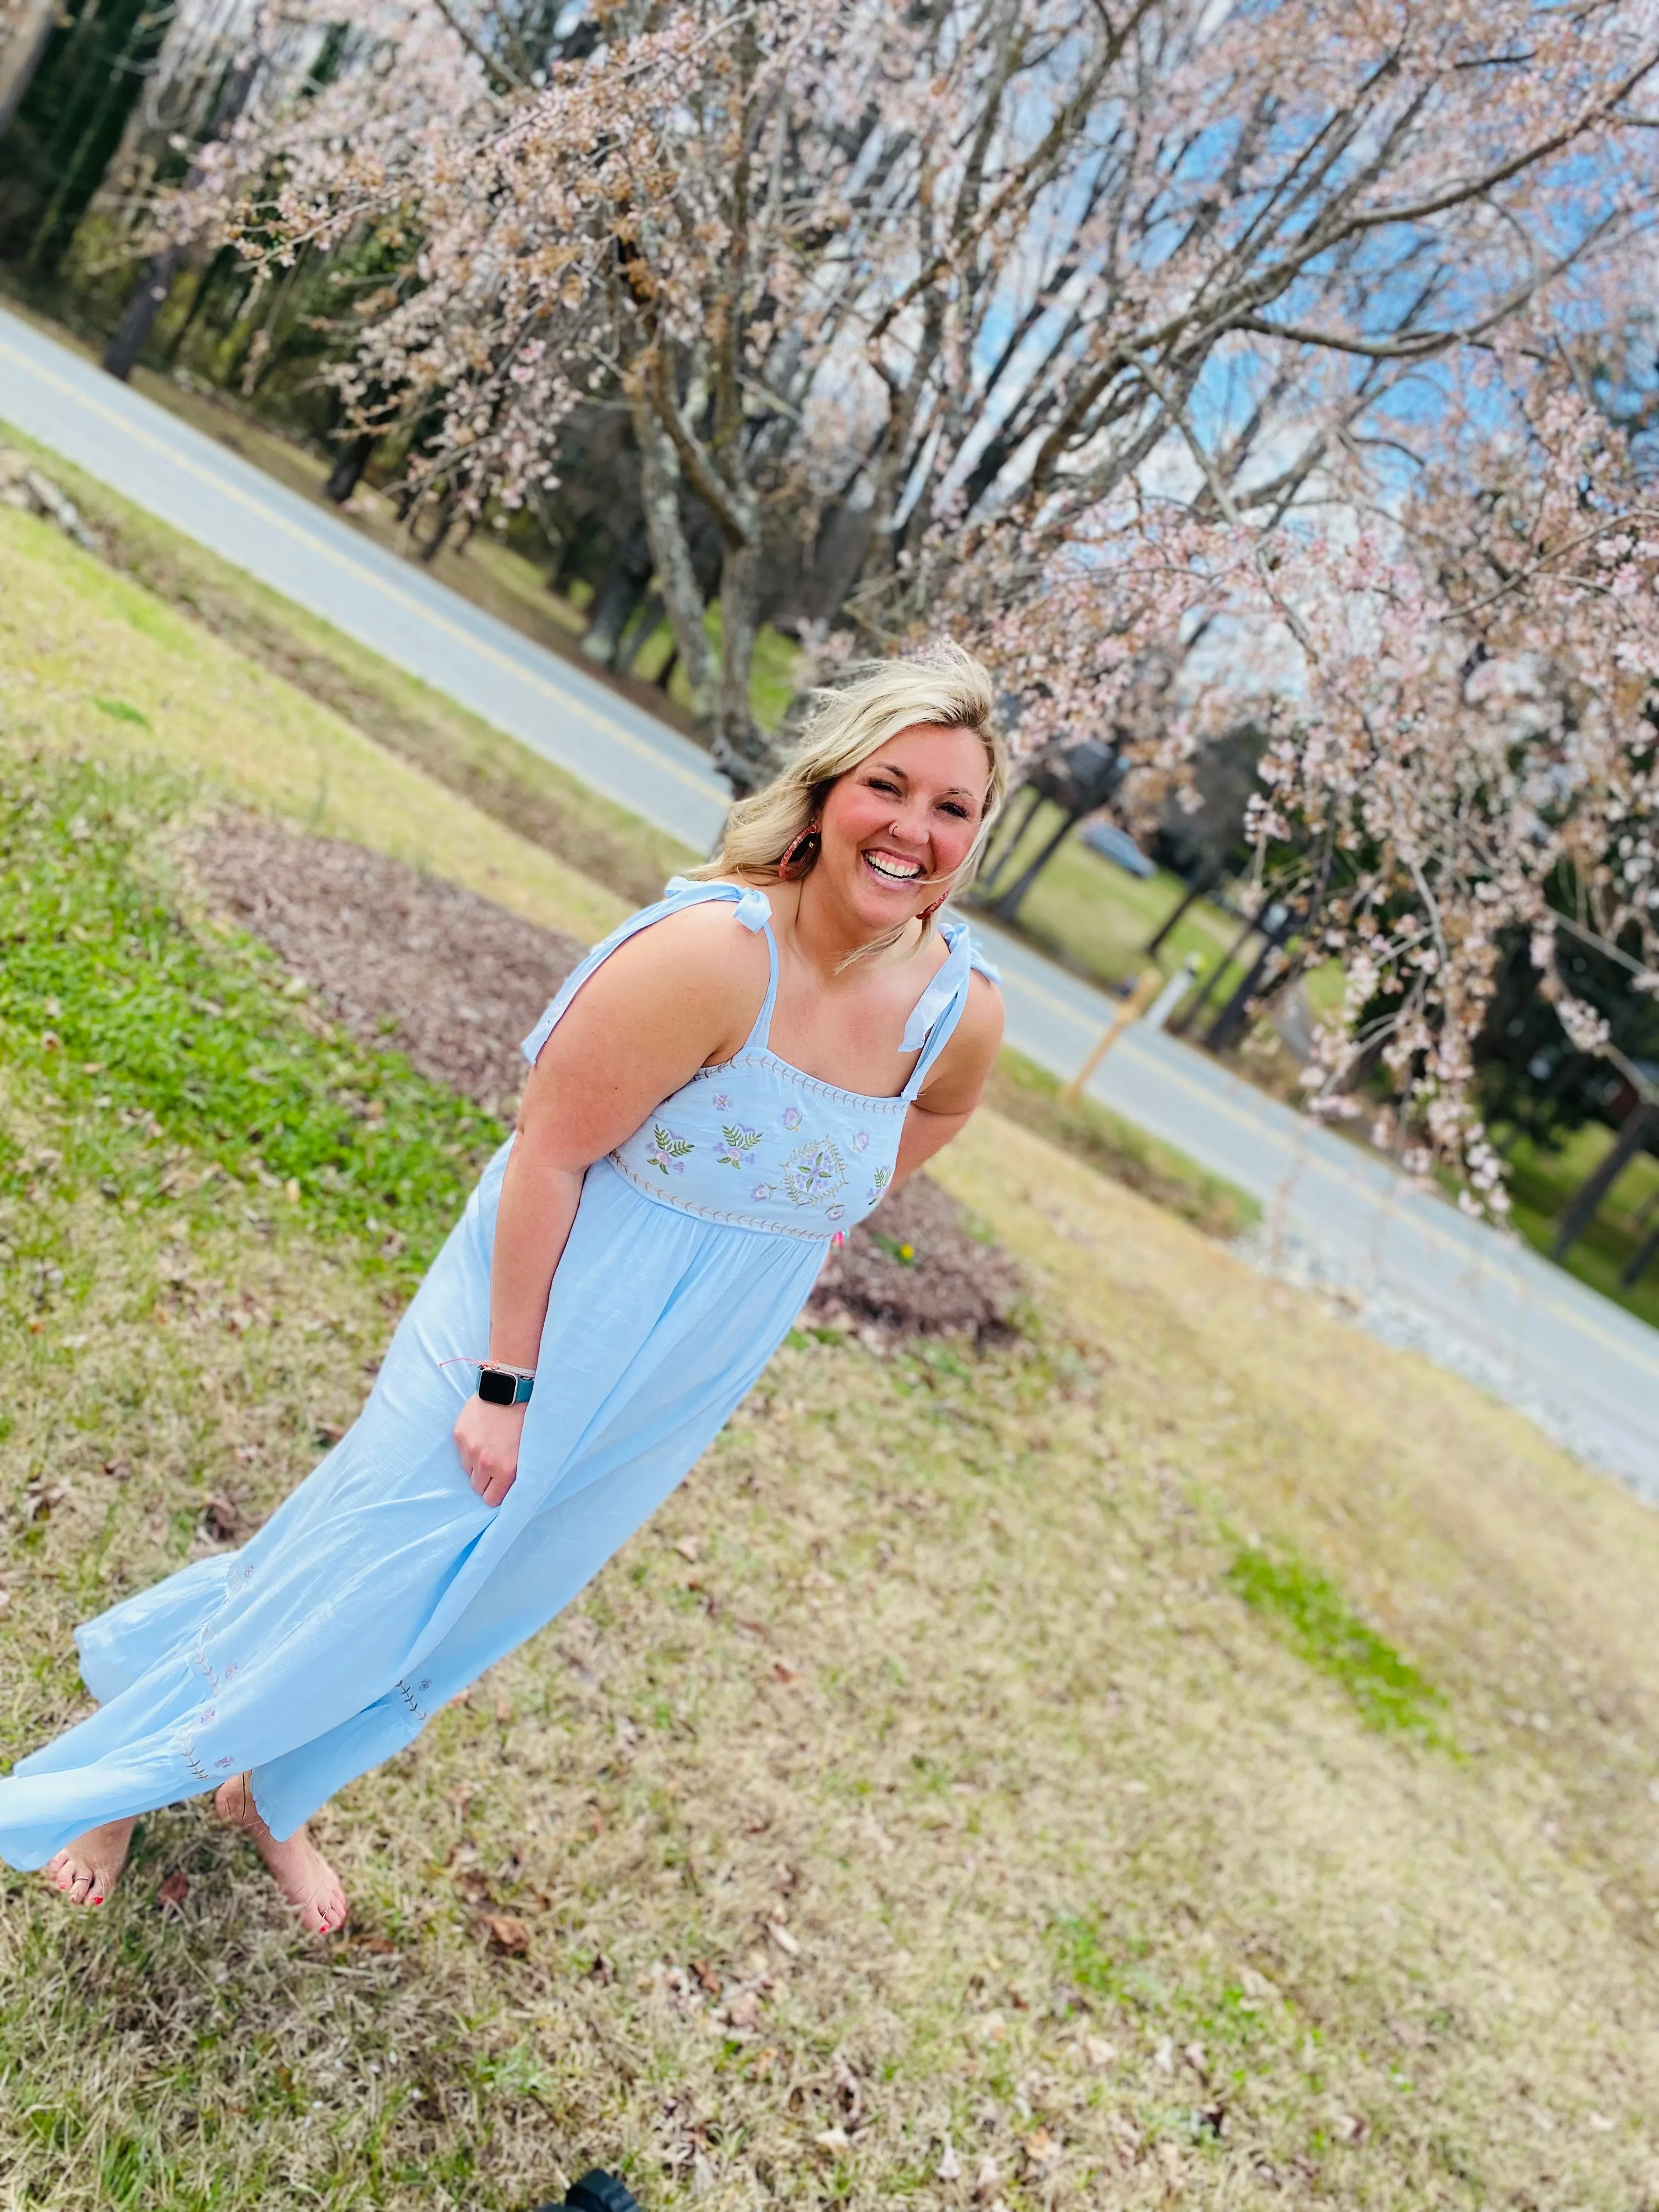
(1422, 1272)
(313, 557)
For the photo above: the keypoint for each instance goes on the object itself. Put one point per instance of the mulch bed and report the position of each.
(399, 958)
(453, 981)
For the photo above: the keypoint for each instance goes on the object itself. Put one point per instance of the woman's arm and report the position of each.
(677, 995)
(955, 1082)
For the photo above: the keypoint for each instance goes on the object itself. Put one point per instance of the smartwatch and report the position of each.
(500, 1386)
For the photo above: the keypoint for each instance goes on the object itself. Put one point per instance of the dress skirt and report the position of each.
(383, 1585)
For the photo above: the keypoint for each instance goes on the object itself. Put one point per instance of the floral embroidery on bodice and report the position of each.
(755, 1143)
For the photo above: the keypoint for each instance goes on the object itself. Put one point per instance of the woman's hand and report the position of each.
(487, 1437)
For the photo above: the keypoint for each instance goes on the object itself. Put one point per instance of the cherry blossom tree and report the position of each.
(1167, 352)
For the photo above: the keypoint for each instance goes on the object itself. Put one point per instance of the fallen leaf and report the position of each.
(705, 1973)
(784, 1673)
(503, 1708)
(993, 2028)
(222, 1519)
(848, 2091)
(379, 1945)
(949, 2167)
(1041, 2147)
(508, 1934)
(118, 1469)
(987, 2177)
(1163, 2057)
(690, 1549)
(782, 1938)
(174, 1890)
(835, 2140)
(744, 2011)
(1098, 2052)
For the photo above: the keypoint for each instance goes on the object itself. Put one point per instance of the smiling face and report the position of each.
(901, 821)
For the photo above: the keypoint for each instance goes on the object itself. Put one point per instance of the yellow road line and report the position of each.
(273, 518)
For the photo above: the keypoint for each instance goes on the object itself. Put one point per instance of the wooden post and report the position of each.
(1127, 1011)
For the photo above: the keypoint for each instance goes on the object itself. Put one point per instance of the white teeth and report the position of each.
(897, 875)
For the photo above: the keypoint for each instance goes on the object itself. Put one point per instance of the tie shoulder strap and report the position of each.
(933, 1019)
(750, 907)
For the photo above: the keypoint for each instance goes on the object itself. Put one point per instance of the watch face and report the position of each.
(494, 1388)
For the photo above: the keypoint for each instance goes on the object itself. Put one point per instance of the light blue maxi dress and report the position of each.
(383, 1585)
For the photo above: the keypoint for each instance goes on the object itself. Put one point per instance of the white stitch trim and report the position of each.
(875, 1099)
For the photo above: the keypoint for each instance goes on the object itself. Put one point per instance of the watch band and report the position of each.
(501, 1385)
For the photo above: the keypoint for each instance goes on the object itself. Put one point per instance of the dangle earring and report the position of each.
(797, 857)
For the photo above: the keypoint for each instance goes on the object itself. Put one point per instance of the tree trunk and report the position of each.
(440, 529)
(1200, 886)
(624, 588)
(20, 56)
(1638, 1128)
(744, 753)
(121, 354)
(1006, 908)
(349, 463)
(670, 554)
(1007, 835)
(645, 628)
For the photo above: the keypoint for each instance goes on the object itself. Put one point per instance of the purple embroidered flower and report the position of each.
(813, 1173)
(668, 1151)
(762, 1190)
(861, 1142)
(722, 1102)
(230, 1670)
(226, 1761)
(739, 1143)
(791, 1117)
(835, 1214)
(208, 1712)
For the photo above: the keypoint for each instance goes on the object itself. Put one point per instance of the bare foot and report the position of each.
(300, 1872)
(86, 1870)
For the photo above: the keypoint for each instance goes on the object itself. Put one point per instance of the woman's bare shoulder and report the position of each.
(704, 952)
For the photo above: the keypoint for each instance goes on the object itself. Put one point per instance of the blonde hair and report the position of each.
(872, 702)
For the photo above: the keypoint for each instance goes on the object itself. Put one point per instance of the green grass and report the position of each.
(916, 1782)
(1099, 918)
(130, 1018)
(1102, 1140)
(1388, 1692)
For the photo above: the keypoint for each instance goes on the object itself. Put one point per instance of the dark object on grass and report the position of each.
(915, 1269)
(597, 2191)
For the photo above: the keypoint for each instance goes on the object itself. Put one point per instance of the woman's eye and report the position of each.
(880, 783)
(953, 807)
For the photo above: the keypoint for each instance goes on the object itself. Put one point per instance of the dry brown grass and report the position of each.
(916, 1758)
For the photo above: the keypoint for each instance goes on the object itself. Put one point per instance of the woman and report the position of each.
(722, 1088)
